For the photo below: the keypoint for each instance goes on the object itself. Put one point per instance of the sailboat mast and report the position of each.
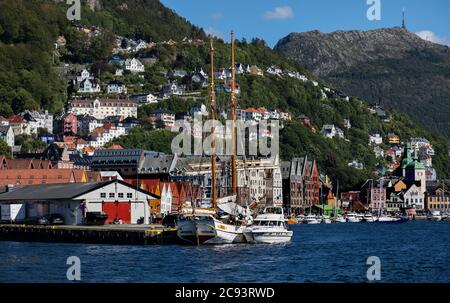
(213, 138)
(233, 115)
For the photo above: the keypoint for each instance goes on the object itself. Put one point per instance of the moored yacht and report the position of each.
(435, 216)
(270, 227)
(353, 218)
(311, 219)
(301, 219)
(369, 218)
(339, 219)
(326, 220)
(388, 219)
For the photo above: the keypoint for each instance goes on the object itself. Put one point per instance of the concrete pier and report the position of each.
(107, 234)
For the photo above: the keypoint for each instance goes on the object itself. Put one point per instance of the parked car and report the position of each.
(52, 219)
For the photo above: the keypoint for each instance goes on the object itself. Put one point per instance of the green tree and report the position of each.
(5, 149)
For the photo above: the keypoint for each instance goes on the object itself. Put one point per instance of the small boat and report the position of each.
(195, 230)
(269, 228)
(326, 220)
(312, 219)
(369, 218)
(339, 219)
(388, 219)
(227, 233)
(301, 219)
(435, 216)
(353, 218)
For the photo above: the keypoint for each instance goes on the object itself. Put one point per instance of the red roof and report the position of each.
(115, 146)
(16, 119)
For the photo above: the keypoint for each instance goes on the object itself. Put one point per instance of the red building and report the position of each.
(68, 124)
(301, 184)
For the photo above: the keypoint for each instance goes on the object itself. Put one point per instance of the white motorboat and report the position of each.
(270, 227)
(369, 218)
(312, 219)
(326, 220)
(388, 219)
(339, 219)
(435, 216)
(301, 219)
(353, 218)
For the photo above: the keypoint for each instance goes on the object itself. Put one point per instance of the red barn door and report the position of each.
(119, 210)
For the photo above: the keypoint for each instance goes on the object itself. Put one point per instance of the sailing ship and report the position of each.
(213, 229)
(231, 228)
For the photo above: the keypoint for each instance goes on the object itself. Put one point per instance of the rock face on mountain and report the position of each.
(390, 65)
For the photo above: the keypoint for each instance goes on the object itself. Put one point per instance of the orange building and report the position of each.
(42, 176)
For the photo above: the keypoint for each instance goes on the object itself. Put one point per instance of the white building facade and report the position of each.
(102, 108)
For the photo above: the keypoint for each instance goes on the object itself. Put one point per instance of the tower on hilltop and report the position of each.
(404, 20)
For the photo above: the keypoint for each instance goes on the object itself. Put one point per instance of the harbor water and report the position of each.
(409, 252)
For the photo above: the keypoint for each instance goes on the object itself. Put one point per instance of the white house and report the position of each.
(379, 152)
(376, 139)
(356, 165)
(145, 98)
(274, 70)
(414, 197)
(7, 135)
(141, 44)
(100, 136)
(166, 199)
(39, 119)
(331, 131)
(116, 198)
(171, 89)
(83, 75)
(89, 86)
(220, 74)
(134, 66)
(116, 87)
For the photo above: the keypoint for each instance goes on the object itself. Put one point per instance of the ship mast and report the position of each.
(233, 115)
(213, 139)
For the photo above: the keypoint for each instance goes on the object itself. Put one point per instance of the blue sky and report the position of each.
(274, 19)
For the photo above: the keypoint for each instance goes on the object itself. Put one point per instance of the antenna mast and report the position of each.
(404, 20)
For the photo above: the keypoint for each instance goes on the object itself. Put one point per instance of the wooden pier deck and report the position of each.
(107, 234)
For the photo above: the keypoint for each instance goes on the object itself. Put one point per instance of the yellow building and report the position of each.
(393, 139)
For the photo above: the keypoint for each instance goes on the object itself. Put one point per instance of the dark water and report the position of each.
(409, 252)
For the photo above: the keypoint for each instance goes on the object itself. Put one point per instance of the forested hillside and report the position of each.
(28, 80)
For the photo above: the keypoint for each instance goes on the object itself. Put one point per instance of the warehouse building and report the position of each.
(118, 199)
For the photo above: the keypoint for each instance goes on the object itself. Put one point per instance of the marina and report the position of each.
(416, 251)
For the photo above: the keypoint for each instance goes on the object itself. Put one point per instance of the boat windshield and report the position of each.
(273, 210)
(269, 223)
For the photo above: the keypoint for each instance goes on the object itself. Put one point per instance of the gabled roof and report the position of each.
(63, 191)
(37, 176)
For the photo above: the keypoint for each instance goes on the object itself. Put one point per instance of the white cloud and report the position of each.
(432, 37)
(215, 32)
(279, 13)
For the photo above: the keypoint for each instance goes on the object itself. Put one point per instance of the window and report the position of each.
(111, 195)
(129, 195)
(120, 195)
(102, 195)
